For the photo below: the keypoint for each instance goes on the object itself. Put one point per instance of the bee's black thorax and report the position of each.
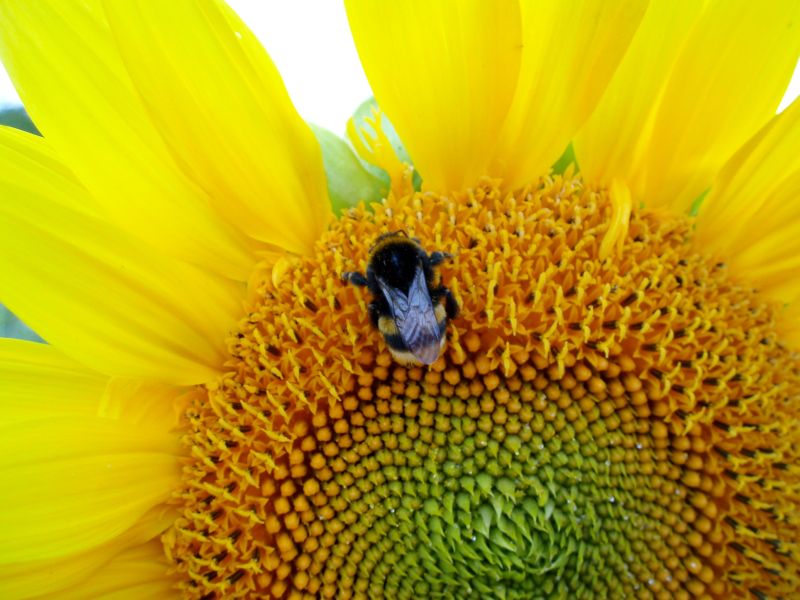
(396, 258)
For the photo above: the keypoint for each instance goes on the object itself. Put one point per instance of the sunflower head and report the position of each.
(587, 417)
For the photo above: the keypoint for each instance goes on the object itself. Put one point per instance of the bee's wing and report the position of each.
(414, 317)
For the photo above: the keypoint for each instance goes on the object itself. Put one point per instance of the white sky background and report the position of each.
(309, 41)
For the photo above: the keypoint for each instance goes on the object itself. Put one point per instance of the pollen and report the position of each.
(602, 422)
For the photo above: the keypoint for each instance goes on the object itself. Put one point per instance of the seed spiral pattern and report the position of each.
(617, 427)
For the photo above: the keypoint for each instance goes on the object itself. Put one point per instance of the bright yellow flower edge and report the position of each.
(174, 171)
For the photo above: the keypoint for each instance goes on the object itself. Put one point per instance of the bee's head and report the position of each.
(400, 233)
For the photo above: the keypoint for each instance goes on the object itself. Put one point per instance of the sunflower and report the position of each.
(615, 412)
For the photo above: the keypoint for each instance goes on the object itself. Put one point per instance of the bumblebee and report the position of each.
(410, 306)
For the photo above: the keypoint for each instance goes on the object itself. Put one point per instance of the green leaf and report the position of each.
(697, 203)
(565, 160)
(17, 117)
(348, 181)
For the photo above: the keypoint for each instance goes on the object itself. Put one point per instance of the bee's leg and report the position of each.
(438, 258)
(450, 303)
(355, 278)
(374, 314)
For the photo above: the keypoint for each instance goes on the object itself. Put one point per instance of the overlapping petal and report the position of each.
(444, 73)
(570, 50)
(222, 110)
(72, 483)
(477, 88)
(77, 489)
(68, 71)
(85, 466)
(138, 572)
(697, 81)
(94, 291)
(38, 381)
(751, 217)
(83, 574)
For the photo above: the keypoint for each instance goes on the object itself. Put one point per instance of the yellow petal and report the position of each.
(621, 205)
(36, 381)
(146, 403)
(95, 292)
(139, 572)
(699, 86)
(444, 73)
(570, 51)
(221, 108)
(69, 74)
(751, 217)
(72, 483)
(610, 144)
(72, 576)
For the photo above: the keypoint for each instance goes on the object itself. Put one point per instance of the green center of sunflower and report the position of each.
(613, 427)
